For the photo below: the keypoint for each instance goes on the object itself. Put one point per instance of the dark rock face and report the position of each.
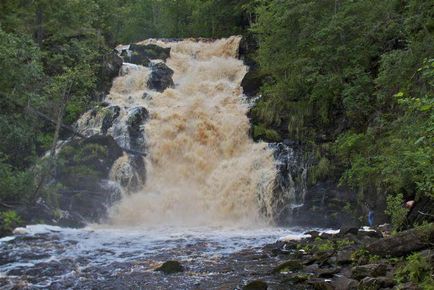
(161, 77)
(85, 192)
(111, 114)
(142, 54)
(252, 81)
(110, 69)
(151, 51)
(170, 267)
(324, 205)
(136, 118)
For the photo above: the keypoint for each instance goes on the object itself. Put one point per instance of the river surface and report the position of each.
(49, 257)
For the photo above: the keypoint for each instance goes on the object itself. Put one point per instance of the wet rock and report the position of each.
(111, 113)
(161, 77)
(256, 285)
(313, 234)
(151, 51)
(288, 266)
(348, 230)
(404, 242)
(320, 284)
(137, 117)
(170, 267)
(371, 270)
(112, 64)
(370, 283)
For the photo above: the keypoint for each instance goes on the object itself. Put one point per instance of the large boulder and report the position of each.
(404, 243)
(161, 77)
(84, 192)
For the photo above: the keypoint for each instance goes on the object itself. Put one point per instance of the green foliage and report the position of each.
(260, 132)
(417, 269)
(15, 185)
(396, 210)
(9, 221)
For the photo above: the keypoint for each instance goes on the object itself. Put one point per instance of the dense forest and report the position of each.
(353, 81)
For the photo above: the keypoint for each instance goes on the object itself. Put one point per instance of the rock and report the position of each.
(320, 284)
(371, 270)
(111, 66)
(328, 272)
(170, 267)
(299, 278)
(111, 113)
(313, 234)
(344, 256)
(288, 266)
(151, 51)
(348, 230)
(137, 117)
(370, 283)
(161, 77)
(256, 285)
(344, 283)
(136, 57)
(404, 243)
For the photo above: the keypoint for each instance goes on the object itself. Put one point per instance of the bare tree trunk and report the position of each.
(51, 161)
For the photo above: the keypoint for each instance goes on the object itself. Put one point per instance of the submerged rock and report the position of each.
(161, 77)
(170, 267)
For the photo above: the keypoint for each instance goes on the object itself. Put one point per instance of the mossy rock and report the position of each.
(288, 266)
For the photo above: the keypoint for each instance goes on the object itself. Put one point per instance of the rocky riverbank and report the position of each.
(352, 259)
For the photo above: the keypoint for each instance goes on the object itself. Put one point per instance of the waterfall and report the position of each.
(202, 168)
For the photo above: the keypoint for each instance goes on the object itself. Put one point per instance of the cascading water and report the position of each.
(202, 167)
(204, 192)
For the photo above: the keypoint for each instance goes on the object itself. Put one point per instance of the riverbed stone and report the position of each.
(170, 267)
(256, 285)
(320, 284)
(371, 270)
(288, 266)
